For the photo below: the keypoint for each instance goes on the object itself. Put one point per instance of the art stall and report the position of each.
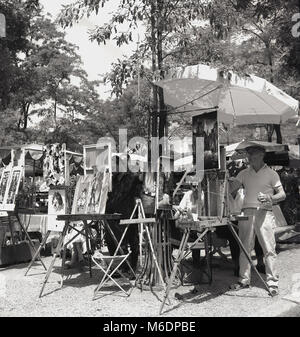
(29, 176)
(215, 99)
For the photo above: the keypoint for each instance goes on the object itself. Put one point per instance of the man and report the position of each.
(126, 188)
(189, 205)
(262, 188)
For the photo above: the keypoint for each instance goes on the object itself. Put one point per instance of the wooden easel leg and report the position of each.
(208, 257)
(38, 252)
(57, 250)
(63, 262)
(248, 256)
(141, 229)
(181, 250)
(88, 246)
(154, 258)
(28, 237)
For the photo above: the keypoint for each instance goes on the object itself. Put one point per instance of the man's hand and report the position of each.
(234, 186)
(264, 198)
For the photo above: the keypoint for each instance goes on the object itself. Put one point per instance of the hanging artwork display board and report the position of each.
(54, 164)
(4, 180)
(9, 187)
(12, 189)
(206, 126)
(57, 205)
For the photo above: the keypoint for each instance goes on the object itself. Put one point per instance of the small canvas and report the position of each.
(56, 206)
(81, 195)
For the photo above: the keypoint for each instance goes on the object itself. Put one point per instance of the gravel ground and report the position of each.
(19, 294)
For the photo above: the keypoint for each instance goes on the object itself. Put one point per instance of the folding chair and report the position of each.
(110, 265)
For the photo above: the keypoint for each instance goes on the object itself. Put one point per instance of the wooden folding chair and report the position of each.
(110, 265)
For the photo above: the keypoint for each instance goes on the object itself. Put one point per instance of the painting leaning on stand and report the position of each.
(262, 187)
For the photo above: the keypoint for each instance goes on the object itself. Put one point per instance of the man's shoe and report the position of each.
(238, 286)
(274, 291)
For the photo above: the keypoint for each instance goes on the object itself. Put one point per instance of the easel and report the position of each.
(204, 225)
(142, 220)
(51, 228)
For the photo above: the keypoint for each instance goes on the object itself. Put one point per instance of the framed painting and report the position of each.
(206, 126)
(57, 205)
(12, 189)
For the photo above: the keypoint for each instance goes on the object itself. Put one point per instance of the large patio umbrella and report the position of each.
(239, 99)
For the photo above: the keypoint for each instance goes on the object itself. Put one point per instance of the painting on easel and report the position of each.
(206, 126)
(81, 195)
(97, 196)
(57, 205)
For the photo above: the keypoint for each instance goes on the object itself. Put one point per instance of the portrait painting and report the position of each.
(56, 206)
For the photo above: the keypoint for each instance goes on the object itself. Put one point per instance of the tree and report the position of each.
(161, 19)
(38, 71)
(267, 24)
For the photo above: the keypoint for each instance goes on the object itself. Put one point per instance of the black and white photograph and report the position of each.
(110, 207)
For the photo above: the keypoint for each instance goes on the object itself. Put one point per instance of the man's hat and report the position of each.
(255, 148)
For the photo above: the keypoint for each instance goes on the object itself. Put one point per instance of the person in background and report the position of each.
(126, 188)
(262, 188)
(187, 207)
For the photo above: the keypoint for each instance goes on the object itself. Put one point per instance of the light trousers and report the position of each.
(260, 223)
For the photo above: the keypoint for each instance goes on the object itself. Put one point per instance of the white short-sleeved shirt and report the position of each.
(264, 181)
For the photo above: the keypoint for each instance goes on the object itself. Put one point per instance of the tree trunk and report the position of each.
(162, 110)
(154, 87)
(274, 127)
(54, 112)
(278, 133)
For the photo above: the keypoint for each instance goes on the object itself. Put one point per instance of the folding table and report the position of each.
(87, 220)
